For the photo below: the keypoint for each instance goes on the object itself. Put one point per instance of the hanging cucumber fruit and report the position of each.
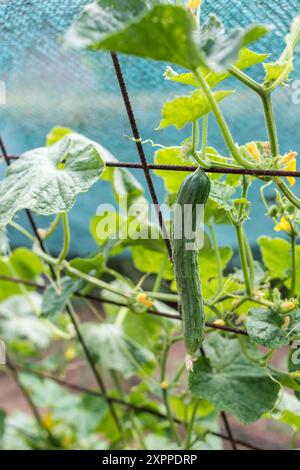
(193, 193)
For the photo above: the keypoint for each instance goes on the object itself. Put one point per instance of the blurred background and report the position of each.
(48, 86)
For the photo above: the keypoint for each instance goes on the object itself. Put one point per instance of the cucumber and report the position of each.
(194, 191)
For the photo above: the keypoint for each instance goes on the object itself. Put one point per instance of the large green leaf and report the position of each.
(185, 109)
(113, 349)
(247, 59)
(231, 382)
(48, 180)
(265, 328)
(160, 31)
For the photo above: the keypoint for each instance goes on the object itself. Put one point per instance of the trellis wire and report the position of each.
(138, 408)
(191, 168)
(146, 167)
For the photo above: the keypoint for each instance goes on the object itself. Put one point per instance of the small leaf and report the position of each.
(185, 109)
(54, 302)
(247, 59)
(265, 328)
(48, 180)
(93, 265)
(231, 382)
(112, 349)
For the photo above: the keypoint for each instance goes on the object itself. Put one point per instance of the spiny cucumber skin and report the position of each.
(194, 190)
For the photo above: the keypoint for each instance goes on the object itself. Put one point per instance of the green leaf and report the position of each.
(56, 134)
(275, 254)
(277, 71)
(22, 263)
(148, 260)
(231, 382)
(158, 31)
(221, 49)
(221, 193)
(2, 423)
(287, 411)
(185, 109)
(114, 350)
(208, 262)
(19, 320)
(48, 180)
(55, 302)
(265, 328)
(26, 264)
(247, 59)
(126, 188)
(93, 265)
(171, 156)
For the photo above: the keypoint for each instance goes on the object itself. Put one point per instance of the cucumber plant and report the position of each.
(132, 347)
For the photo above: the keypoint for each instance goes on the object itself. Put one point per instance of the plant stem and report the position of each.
(165, 392)
(249, 258)
(160, 275)
(23, 231)
(53, 226)
(270, 123)
(218, 257)
(134, 421)
(67, 238)
(189, 433)
(204, 136)
(220, 120)
(294, 266)
(243, 257)
(248, 81)
(288, 193)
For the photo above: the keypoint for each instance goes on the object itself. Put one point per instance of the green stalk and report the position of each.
(204, 136)
(218, 257)
(67, 239)
(243, 257)
(220, 120)
(294, 264)
(288, 193)
(248, 81)
(250, 258)
(270, 123)
(190, 428)
(23, 231)
(53, 226)
(165, 392)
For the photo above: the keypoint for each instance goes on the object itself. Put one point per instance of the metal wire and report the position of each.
(191, 168)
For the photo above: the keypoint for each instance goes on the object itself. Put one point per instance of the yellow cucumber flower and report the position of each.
(144, 300)
(283, 226)
(253, 150)
(48, 421)
(290, 164)
(192, 4)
